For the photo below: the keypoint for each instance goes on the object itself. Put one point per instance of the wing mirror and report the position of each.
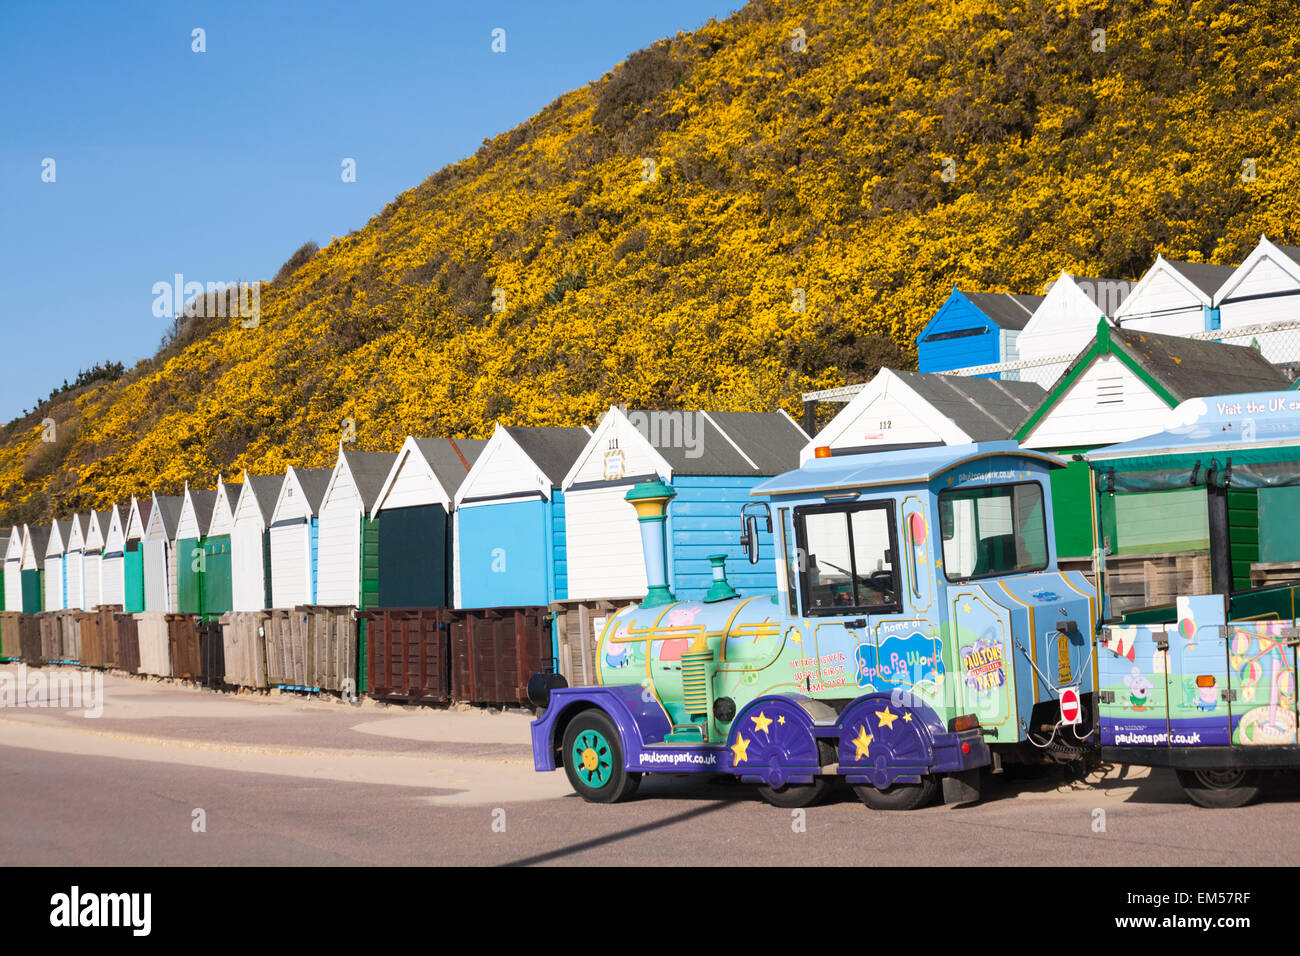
(749, 527)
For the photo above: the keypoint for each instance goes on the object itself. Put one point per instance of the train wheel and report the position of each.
(593, 759)
(1221, 789)
(794, 795)
(900, 796)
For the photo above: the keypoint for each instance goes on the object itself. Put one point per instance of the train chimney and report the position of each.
(719, 590)
(650, 498)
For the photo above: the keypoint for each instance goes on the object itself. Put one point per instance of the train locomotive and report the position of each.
(919, 635)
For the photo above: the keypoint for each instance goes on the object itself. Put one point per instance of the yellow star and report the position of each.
(739, 748)
(886, 718)
(862, 743)
(780, 719)
(761, 722)
(965, 608)
(907, 718)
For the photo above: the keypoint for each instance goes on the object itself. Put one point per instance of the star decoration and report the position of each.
(761, 722)
(887, 718)
(863, 743)
(780, 719)
(740, 749)
(907, 718)
(965, 608)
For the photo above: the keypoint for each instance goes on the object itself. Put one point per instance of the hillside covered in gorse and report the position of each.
(770, 204)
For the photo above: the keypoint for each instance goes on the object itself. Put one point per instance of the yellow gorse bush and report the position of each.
(724, 221)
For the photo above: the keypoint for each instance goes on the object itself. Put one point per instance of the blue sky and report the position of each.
(218, 165)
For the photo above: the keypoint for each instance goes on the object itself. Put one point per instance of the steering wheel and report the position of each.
(882, 581)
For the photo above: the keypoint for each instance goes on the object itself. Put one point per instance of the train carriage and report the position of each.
(1206, 682)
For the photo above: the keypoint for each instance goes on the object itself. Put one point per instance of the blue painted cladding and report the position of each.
(504, 554)
(958, 314)
(559, 556)
(315, 556)
(704, 519)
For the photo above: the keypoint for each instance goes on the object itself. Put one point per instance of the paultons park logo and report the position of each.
(899, 661)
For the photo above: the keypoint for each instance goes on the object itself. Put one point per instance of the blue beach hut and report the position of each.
(509, 519)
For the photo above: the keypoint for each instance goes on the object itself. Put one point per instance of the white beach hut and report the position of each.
(160, 553)
(56, 545)
(1263, 290)
(295, 523)
(1173, 298)
(250, 542)
(93, 558)
(112, 583)
(346, 529)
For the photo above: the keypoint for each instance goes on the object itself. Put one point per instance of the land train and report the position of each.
(920, 634)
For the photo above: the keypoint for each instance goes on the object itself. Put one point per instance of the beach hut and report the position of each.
(712, 460)
(974, 328)
(509, 519)
(55, 559)
(1121, 388)
(14, 570)
(1264, 289)
(74, 557)
(191, 556)
(133, 555)
(348, 548)
(295, 526)
(35, 541)
(1065, 322)
(899, 410)
(216, 594)
(1173, 298)
(93, 558)
(250, 542)
(160, 553)
(113, 586)
(416, 553)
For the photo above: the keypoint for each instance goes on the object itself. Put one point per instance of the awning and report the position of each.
(1241, 441)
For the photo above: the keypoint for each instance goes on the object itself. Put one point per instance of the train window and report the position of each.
(847, 558)
(788, 552)
(993, 529)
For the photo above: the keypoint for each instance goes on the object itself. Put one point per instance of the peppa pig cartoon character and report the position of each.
(673, 648)
(618, 655)
(1139, 687)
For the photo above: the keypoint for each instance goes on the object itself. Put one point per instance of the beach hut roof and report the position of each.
(369, 469)
(551, 448)
(450, 458)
